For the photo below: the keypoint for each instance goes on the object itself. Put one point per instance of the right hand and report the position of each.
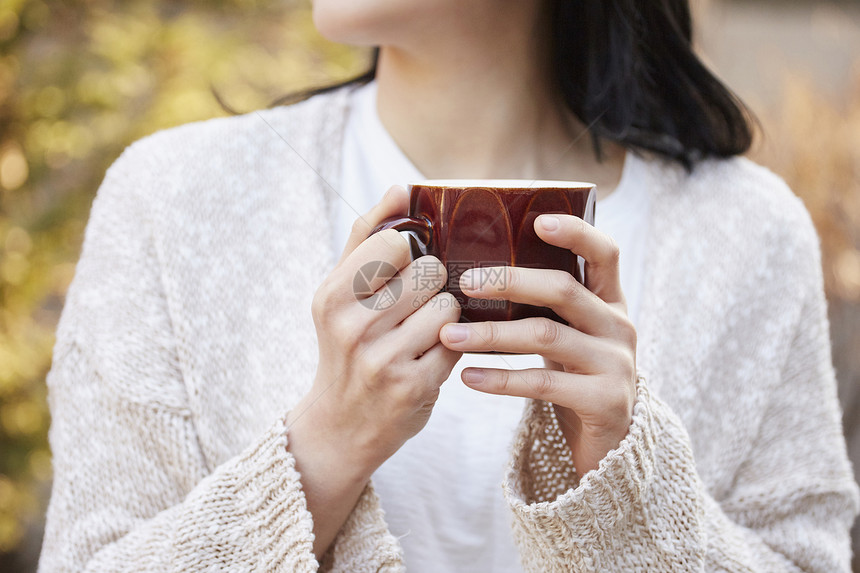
(379, 371)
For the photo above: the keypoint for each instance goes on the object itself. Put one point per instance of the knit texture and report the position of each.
(187, 337)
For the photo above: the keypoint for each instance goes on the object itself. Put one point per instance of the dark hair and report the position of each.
(627, 70)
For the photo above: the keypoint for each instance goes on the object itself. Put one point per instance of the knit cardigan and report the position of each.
(187, 337)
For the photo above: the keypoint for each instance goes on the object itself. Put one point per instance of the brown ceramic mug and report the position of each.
(490, 223)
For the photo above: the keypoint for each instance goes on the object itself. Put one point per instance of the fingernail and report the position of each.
(548, 222)
(474, 376)
(456, 333)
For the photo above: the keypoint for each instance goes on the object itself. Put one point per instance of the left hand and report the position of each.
(590, 374)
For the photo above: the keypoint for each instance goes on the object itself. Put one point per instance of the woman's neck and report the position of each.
(482, 109)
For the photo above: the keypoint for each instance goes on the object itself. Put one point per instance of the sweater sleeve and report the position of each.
(132, 488)
(645, 508)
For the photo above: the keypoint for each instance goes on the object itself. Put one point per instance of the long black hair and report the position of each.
(627, 69)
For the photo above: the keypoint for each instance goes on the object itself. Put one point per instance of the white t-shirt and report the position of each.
(441, 491)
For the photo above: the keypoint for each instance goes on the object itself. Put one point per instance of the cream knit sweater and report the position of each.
(187, 337)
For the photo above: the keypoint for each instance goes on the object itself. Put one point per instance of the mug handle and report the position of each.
(419, 231)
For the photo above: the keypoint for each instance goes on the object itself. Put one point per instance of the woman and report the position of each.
(685, 418)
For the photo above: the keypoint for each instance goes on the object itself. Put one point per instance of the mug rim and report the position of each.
(501, 184)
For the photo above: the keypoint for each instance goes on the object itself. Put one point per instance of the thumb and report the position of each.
(395, 202)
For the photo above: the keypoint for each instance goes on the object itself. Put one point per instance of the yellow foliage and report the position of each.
(79, 81)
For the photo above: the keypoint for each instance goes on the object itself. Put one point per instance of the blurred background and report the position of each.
(81, 79)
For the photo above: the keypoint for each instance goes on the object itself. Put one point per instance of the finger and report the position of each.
(599, 250)
(551, 339)
(394, 202)
(406, 292)
(550, 288)
(371, 265)
(440, 360)
(552, 365)
(421, 328)
(536, 383)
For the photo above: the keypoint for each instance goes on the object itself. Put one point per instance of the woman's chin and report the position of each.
(358, 24)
